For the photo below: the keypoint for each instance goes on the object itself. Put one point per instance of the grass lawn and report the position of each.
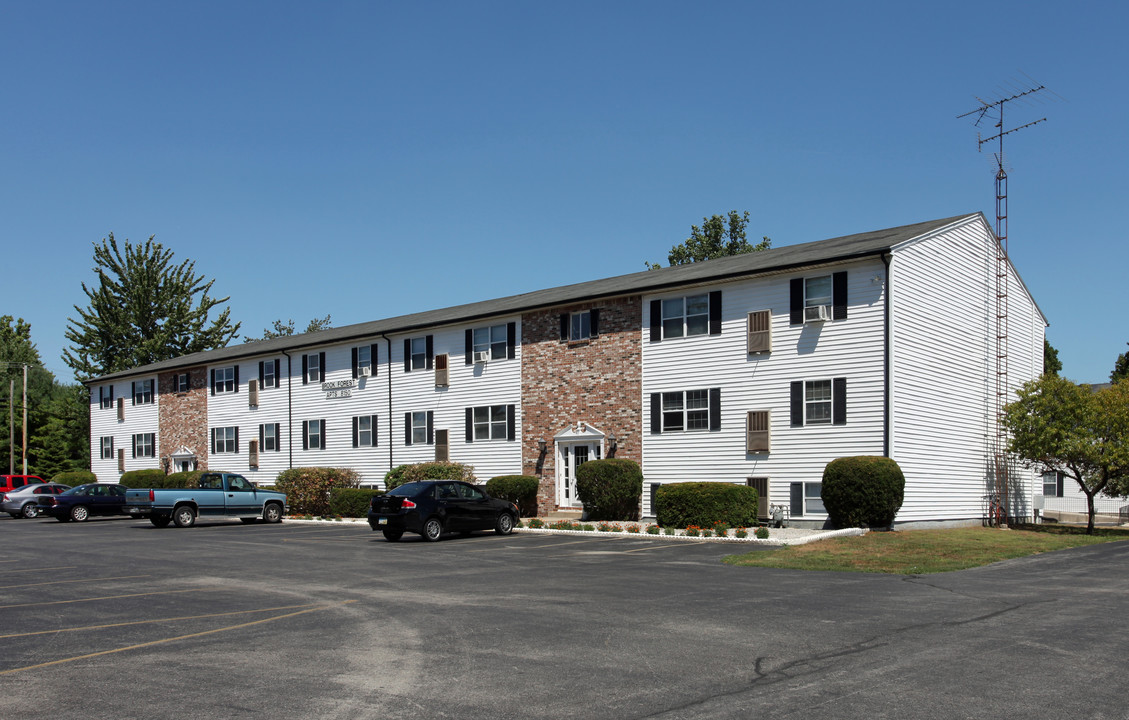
(918, 552)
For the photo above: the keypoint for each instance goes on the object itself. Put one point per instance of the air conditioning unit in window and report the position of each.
(817, 313)
(364, 371)
(482, 356)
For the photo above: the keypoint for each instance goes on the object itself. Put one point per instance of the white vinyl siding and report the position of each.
(136, 420)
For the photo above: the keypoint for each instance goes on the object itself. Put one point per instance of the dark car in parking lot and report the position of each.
(433, 507)
(84, 501)
(24, 501)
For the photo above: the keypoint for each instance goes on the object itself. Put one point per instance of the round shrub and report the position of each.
(610, 489)
(150, 478)
(402, 474)
(351, 502)
(307, 489)
(521, 490)
(182, 479)
(863, 491)
(74, 477)
(705, 504)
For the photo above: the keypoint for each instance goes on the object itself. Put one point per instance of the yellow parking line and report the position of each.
(65, 582)
(171, 639)
(158, 620)
(38, 569)
(109, 597)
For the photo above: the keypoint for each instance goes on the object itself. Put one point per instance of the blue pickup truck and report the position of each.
(215, 495)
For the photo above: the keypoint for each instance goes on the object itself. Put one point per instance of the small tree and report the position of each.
(1120, 368)
(719, 236)
(286, 329)
(862, 491)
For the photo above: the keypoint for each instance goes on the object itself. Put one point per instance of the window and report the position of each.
(364, 361)
(225, 380)
(313, 368)
(106, 396)
(806, 500)
(107, 447)
(829, 291)
(499, 342)
(686, 316)
(1052, 484)
(819, 402)
(817, 291)
(364, 431)
(686, 410)
(225, 440)
(313, 435)
(143, 392)
(491, 422)
(269, 437)
(181, 383)
(268, 374)
(418, 428)
(418, 353)
(143, 445)
(580, 326)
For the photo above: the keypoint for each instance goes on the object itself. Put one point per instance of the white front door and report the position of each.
(571, 456)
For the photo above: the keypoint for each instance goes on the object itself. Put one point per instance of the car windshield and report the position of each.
(80, 490)
(410, 489)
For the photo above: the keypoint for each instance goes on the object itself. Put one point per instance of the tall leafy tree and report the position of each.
(1073, 429)
(719, 236)
(144, 308)
(285, 329)
(61, 442)
(1120, 368)
(16, 350)
(1051, 364)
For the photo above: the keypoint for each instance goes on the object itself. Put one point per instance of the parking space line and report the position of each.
(157, 620)
(658, 547)
(110, 597)
(548, 546)
(66, 582)
(172, 639)
(27, 570)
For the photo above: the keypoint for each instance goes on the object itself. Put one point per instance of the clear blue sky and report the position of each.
(370, 159)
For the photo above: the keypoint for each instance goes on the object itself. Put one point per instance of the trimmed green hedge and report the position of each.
(705, 504)
(863, 491)
(402, 474)
(75, 477)
(610, 489)
(151, 478)
(308, 489)
(518, 489)
(351, 502)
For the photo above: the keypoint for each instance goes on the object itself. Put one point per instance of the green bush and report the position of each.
(401, 474)
(182, 479)
(518, 489)
(610, 489)
(151, 478)
(351, 502)
(862, 491)
(705, 504)
(307, 489)
(75, 477)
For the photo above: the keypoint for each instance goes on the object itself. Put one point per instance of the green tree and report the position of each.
(1120, 368)
(1068, 428)
(144, 308)
(16, 350)
(285, 329)
(719, 236)
(1051, 364)
(61, 443)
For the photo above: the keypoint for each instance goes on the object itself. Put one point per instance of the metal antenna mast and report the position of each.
(999, 501)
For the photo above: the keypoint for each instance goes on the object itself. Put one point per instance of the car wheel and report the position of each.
(160, 522)
(432, 529)
(393, 535)
(29, 510)
(79, 513)
(272, 513)
(505, 524)
(184, 516)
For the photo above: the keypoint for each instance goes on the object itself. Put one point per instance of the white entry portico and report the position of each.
(574, 446)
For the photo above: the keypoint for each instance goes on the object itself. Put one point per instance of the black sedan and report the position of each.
(433, 507)
(84, 501)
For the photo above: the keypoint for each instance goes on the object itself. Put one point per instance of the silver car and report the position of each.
(24, 501)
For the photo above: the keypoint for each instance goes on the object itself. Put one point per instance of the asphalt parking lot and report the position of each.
(116, 619)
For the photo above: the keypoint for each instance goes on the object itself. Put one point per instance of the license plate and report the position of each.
(382, 521)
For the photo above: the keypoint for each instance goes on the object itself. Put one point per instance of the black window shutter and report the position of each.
(101, 395)
(321, 368)
(305, 434)
(112, 392)
(213, 383)
(430, 350)
(796, 292)
(839, 296)
(656, 320)
(797, 403)
(511, 340)
(133, 450)
(262, 375)
(1058, 486)
(262, 432)
(407, 354)
(797, 509)
(469, 345)
(355, 421)
(373, 357)
(656, 413)
(236, 375)
(839, 401)
(594, 323)
(305, 370)
(407, 428)
(565, 326)
(354, 353)
(511, 422)
(470, 425)
(715, 408)
(715, 312)
(236, 438)
(133, 397)
(213, 441)
(277, 373)
(430, 427)
(322, 422)
(277, 437)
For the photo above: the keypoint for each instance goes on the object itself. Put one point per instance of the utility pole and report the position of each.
(11, 418)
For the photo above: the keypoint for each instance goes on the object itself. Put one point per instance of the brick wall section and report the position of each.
(598, 382)
(183, 417)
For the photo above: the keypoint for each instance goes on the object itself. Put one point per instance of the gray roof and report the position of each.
(647, 281)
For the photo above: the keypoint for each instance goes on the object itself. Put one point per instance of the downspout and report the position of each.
(289, 412)
(389, 423)
(886, 430)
